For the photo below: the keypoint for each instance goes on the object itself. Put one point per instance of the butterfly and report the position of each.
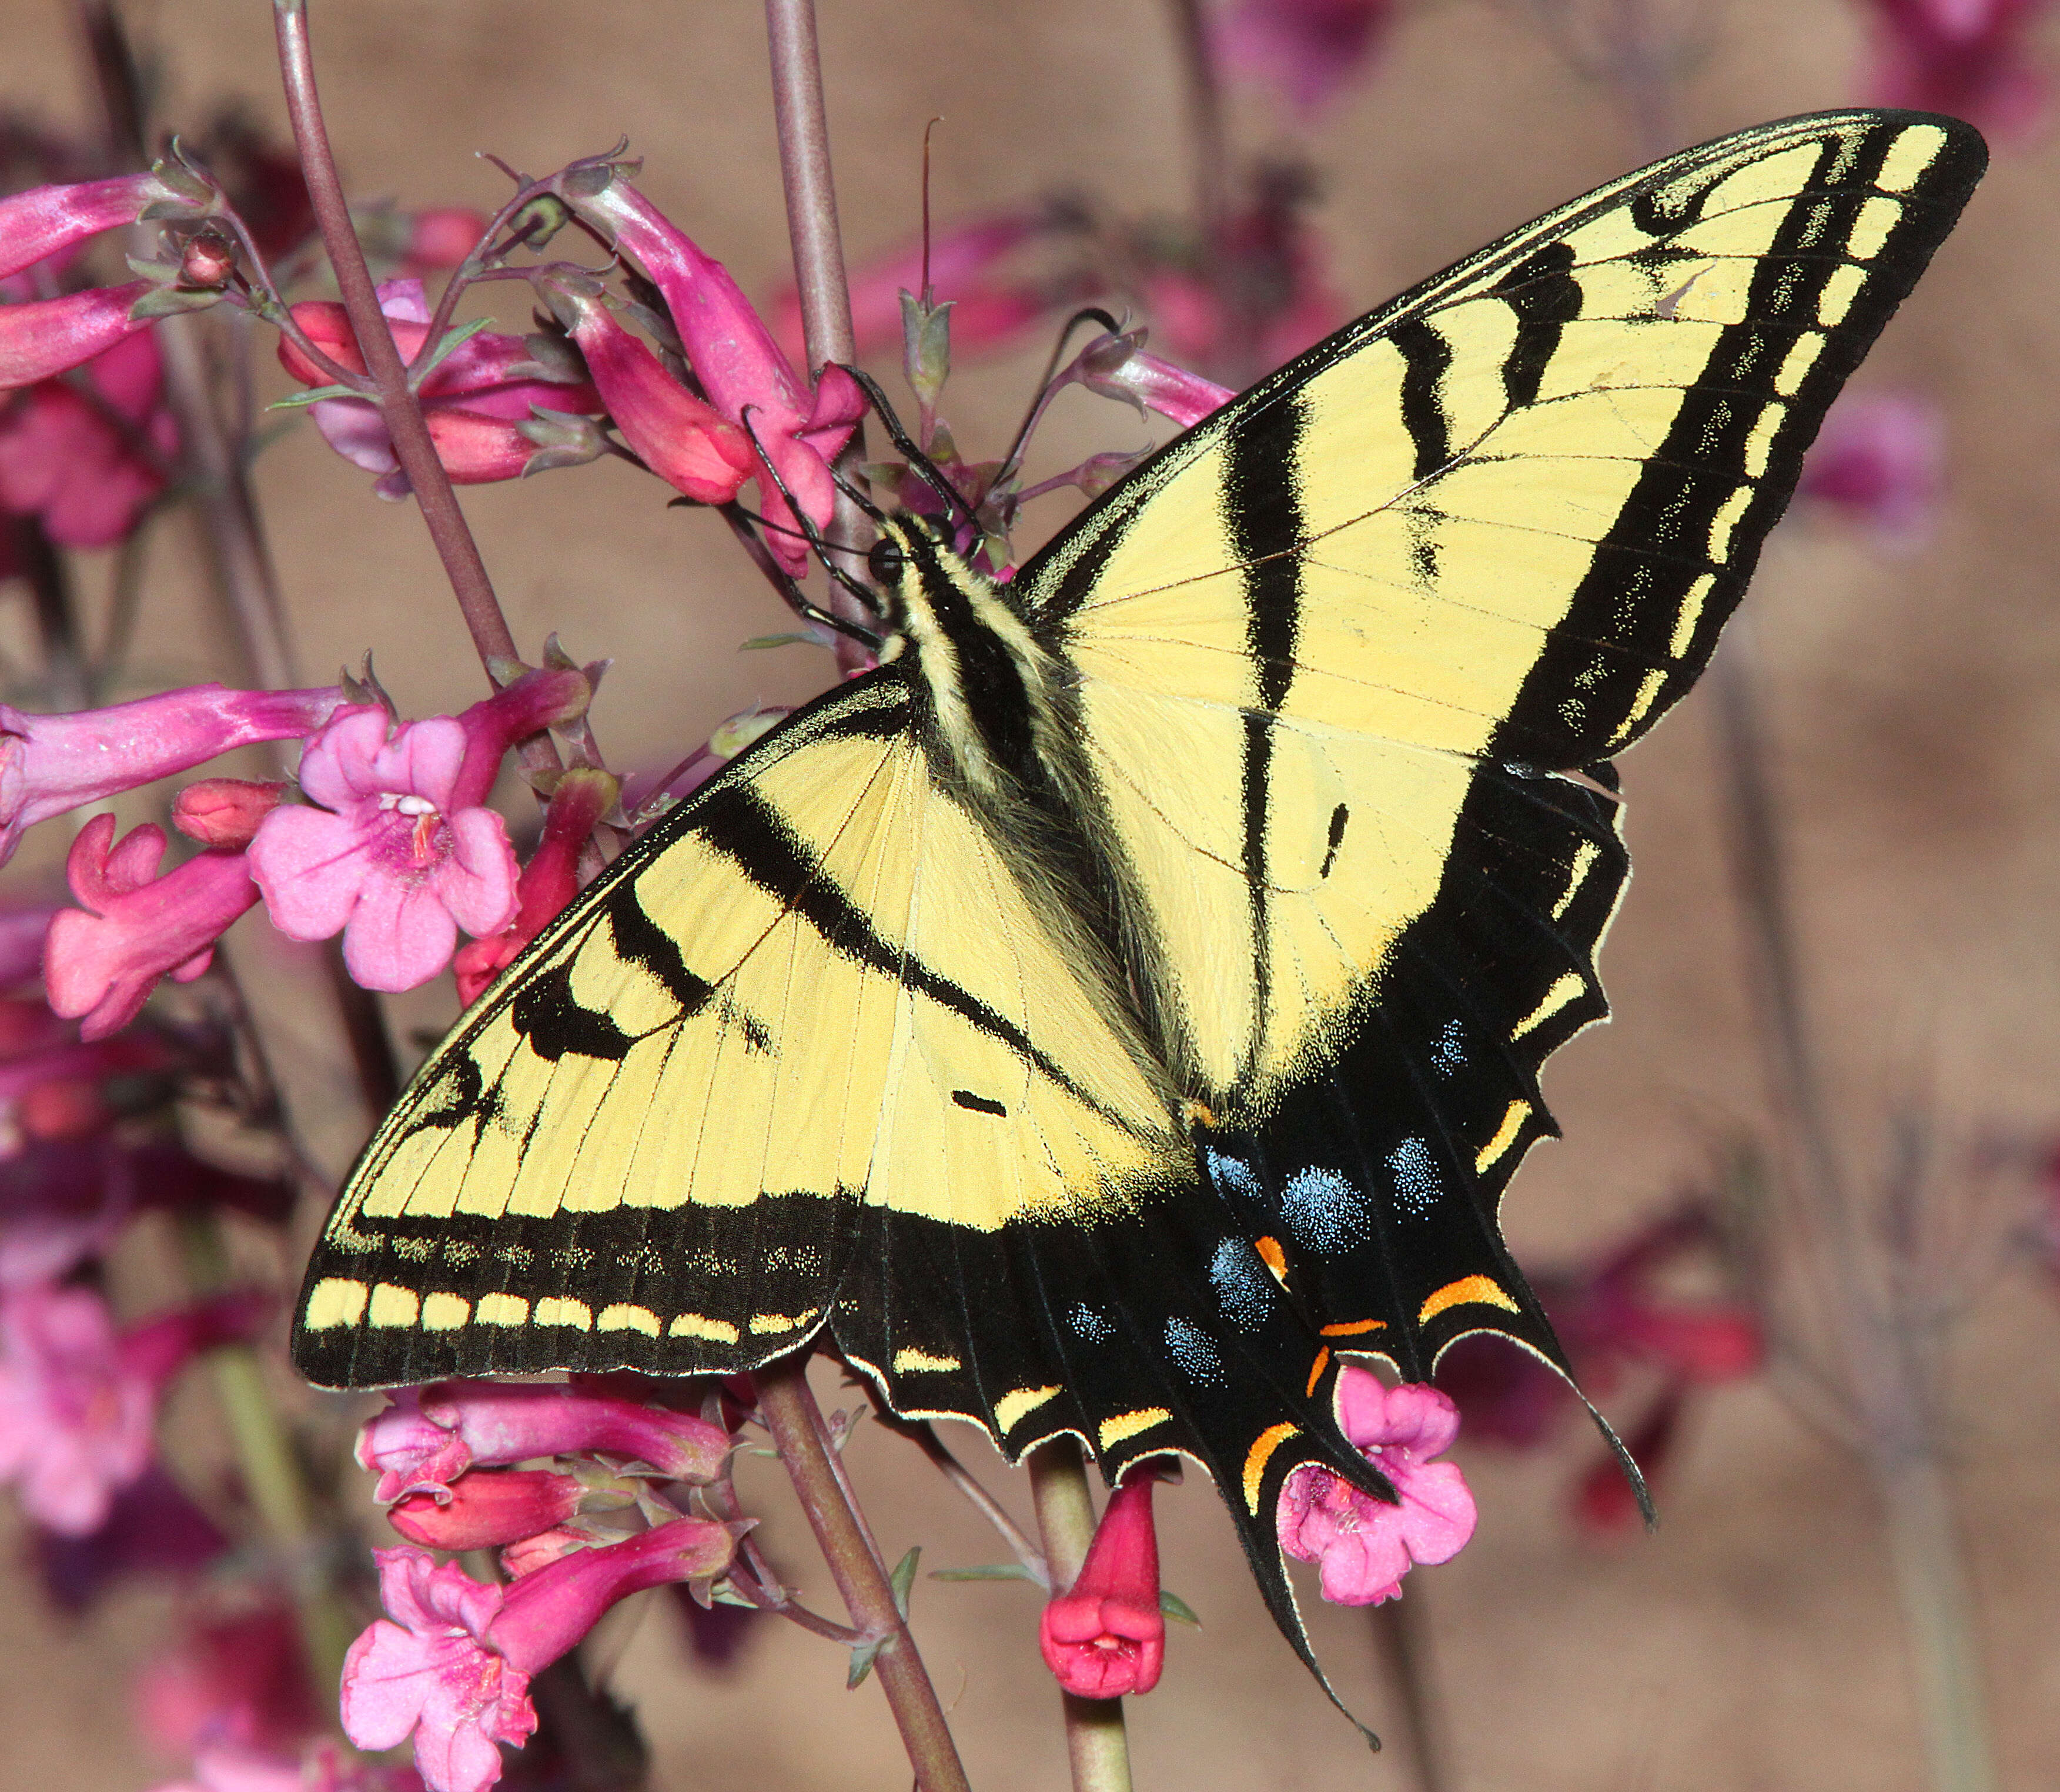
(1126, 1004)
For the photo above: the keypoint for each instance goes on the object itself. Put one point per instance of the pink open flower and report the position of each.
(78, 1398)
(425, 1671)
(685, 441)
(1309, 49)
(478, 401)
(1105, 1637)
(1880, 460)
(429, 1436)
(52, 763)
(402, 852)
(1366, 1545)
(450, 1664)
(1974, 59)
(747, 376)
(104, 958)
(87, 469)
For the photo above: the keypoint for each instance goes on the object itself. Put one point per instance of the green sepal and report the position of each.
(1177, 1609)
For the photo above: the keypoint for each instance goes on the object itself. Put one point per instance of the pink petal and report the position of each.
(310, 866)
(477, 882)
(396, 938)
(355, 429)
(422, 759)
(1414, 1415)
(336, 770)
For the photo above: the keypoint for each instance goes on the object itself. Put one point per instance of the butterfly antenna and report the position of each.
(865, 595)
(954, 503)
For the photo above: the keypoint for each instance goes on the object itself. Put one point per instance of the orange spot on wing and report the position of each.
(1351, 1328)
(1275, 1259)
(1256, 1459)
(1479, 1290)
(1317, 1373)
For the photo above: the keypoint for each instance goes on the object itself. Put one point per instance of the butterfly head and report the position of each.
(953, 629)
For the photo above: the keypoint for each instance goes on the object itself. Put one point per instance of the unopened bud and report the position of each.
(224, 811)
(207, 264)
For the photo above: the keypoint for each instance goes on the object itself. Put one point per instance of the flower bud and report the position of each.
(224, 811)
(208, 262)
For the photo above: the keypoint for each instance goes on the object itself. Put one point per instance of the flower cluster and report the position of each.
(449, 1666)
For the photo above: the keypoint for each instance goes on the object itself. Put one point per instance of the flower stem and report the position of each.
(243, 572)
(1401, 1633)
(1205, 122)
(399, 408)
(1887, 1350)
(803, 126)
(271, 1471)
(1097, 1741)
(791, 1415)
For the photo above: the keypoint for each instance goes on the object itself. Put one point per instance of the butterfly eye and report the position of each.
(884, 561)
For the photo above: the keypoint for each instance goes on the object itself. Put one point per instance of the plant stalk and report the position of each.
(1097, 1741)
(1878, 1338)
(788, 1407)
(399, 409)
(803, 126)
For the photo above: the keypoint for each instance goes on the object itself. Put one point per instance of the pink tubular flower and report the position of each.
(1366, 1545)
(44, 338)
(51, 763)
(687, 444)
(1117, 367)
(429, 1436)
(739, 364)
(402, 852)
(1105, 1637)
(87, 469)
(1970, 58)
(485, 1509)
(77, 1398)
(1310, 48)
(450, 1665)
(103, 959)
(45, 221)
(476, 402)
(1880, 460)
(550, 880)
(986, 311)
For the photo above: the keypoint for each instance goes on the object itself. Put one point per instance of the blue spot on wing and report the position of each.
(1242, 1283)
(1416, 1185)
(1324, 1211)
(1191, 1347)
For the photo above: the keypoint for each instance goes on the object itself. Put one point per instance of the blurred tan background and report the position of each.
(1753, 1643)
